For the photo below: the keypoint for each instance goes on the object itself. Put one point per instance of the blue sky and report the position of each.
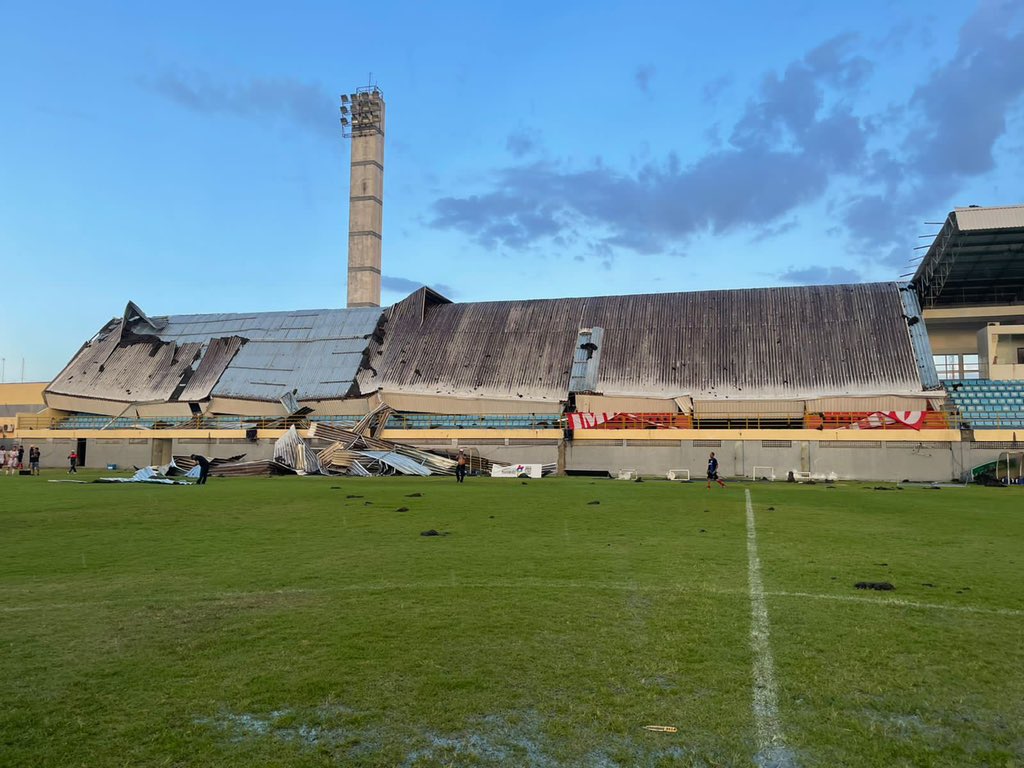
(189, 158)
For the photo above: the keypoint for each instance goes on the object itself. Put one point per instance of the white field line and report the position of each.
(765, 703)
(898, 603)
(556, 584)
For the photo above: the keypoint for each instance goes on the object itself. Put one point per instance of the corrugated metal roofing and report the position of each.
(1004, 217)
(257, 356)
(766, 342)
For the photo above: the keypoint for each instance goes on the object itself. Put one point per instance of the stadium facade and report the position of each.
(884, 381)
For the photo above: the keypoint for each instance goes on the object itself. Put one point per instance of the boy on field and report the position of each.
(713, 471)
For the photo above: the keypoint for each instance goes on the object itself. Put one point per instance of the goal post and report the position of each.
(678, 474)
(757, 473)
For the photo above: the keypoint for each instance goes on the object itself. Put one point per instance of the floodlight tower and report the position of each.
(362, 120)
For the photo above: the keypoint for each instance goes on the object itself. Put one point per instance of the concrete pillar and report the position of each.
(366, 209)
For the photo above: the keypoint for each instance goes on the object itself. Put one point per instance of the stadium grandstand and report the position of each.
(921, 380)
(826, 380)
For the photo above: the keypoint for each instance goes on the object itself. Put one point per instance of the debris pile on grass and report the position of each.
(882, 586)
(356, 453)
(235, 467)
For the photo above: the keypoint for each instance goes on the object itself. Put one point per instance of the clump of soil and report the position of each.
(433, 532)
(593, 502)
(352, 496)
(402, 509)
(413, 495)
(881, 586)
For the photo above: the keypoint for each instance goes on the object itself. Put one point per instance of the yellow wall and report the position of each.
(29, 393)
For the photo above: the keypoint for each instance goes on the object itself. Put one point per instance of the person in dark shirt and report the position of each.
(21, 456)
(204, 468)
(713, 471)
(33, 459)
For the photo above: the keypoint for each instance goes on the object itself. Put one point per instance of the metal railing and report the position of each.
(420, 421)
(532, 421)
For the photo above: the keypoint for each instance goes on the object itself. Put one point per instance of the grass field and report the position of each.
(305, 621)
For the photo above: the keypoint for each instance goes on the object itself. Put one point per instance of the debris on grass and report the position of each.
(433, 532)
(402, 509)
(661, 728)
(593, 502)
(413, 495)
(771, 509)
(353, 496)
(881, 586)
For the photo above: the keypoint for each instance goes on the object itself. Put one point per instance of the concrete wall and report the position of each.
(126, 453)
(737, 458)
(530, 453)
(866, 460)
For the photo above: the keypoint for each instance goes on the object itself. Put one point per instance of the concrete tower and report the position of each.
(362, 119)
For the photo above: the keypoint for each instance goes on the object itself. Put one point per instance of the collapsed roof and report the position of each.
(779, 343)
(264, 356)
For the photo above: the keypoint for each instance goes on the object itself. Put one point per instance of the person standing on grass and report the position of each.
(21, 456)
(713, 471)
(33, 459)
(460, 467)
(73, 463)
(204, 467)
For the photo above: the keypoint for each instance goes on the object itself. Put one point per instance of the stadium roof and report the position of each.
(977, 258)
(768, 342)
(189, 358)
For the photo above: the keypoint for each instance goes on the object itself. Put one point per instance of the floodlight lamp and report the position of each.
(344, 110)
(344, 99)
(344, 121)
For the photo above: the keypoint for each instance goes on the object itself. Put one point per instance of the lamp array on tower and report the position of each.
(362, 112)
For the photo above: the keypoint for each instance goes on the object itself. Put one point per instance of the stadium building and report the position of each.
(889, 381)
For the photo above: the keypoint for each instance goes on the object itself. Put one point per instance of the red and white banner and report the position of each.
(880, 419)
(588, 420)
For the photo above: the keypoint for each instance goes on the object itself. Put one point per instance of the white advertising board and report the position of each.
(517, 470)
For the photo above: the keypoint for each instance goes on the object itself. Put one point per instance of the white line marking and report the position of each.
(564, 584)
(898, 603)
(771, 749)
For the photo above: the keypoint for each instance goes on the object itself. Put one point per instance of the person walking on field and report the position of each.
(73, 463)
(33, 460)
(713, 471)
(460, 467)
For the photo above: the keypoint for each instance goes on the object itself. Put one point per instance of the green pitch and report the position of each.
(305, 621)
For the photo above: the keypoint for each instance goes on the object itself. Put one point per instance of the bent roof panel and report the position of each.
(255, 356)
